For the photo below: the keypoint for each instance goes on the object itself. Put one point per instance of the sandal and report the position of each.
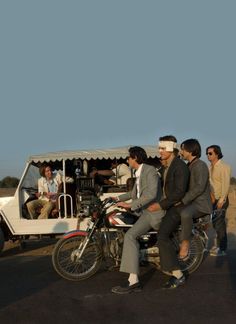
(185, 257)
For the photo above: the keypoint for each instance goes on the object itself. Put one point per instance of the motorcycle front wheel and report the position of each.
(69, 265)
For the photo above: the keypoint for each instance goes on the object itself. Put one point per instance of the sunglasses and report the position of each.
(209, 153)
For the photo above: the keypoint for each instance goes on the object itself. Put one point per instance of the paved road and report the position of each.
(31, 292)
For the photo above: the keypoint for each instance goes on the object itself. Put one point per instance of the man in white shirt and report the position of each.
(220, 174)
(146, 190)
(48, 186)
(119, 173)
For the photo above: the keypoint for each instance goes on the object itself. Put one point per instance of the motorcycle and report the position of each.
(78, 255)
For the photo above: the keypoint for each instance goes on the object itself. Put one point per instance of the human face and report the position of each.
(165, 155)
(48, 173)
(211, 156)
(187, 156)
(132, 162)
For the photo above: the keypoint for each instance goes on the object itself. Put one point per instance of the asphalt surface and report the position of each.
(32, 292)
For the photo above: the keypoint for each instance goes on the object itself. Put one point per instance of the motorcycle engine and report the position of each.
(85, 202)
(149, 251)
(147, 240)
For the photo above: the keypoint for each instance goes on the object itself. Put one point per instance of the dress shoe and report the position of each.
(168, 273)
(127, 289)
(173, 282)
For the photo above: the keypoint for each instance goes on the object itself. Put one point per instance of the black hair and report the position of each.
(168, 138)
(171, 138)
(216, 149)
(138, 153)
(192, 146)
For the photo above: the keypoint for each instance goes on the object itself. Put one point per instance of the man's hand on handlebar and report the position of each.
(123, 205)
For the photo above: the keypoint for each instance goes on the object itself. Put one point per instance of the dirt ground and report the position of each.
(231, 217)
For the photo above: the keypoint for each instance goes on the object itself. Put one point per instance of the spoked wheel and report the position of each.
(196, 255)
(67, 262)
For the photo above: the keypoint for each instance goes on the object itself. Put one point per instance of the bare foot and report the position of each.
(184, 250)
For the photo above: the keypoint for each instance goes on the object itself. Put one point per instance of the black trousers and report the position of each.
(219, 224)
(168, 256)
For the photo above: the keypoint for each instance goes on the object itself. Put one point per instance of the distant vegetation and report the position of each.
(9, 182)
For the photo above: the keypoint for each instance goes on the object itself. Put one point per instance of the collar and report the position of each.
(138, 171)
(193, 160)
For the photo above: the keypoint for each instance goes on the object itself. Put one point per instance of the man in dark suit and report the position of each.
(195, 203)
(175, 183)
(146, 190)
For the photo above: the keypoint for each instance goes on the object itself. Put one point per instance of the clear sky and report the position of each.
(98, 74)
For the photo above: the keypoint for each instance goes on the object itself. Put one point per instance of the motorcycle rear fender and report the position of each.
(75, 233)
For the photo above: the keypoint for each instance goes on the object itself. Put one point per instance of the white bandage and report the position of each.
(167, 146)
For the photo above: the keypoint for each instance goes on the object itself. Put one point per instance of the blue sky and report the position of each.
(99, 74)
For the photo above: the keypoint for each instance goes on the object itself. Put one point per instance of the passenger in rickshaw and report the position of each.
(118, 174)
(49, 187)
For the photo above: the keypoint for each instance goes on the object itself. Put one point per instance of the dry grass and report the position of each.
(231, 212)
(7, 192)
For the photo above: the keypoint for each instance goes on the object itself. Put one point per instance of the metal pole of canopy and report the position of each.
(64, 185)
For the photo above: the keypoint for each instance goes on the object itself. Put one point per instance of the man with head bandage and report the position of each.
(195, 203)
(168, 146)
(175, 183)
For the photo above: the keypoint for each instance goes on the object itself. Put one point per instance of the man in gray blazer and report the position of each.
(146, 190)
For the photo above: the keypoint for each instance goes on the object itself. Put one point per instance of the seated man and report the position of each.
(119, 174)
(48, 186)
(146, 190)
(197, 200)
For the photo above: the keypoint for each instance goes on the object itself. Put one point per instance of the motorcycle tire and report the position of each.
(68, 266)
(196, 254)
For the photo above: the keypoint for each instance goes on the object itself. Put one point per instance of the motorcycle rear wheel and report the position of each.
(69, 266)
(196, 254)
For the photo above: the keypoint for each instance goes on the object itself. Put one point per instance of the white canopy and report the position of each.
(109, 153)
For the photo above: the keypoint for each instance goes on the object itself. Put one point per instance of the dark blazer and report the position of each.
(176, 183)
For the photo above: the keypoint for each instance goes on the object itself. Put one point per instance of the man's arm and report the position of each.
(150, 181)
(102, 172)
(225, 183)
(199, 180)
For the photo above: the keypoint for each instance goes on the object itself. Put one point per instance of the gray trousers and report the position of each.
(130, 254)
(187, 215)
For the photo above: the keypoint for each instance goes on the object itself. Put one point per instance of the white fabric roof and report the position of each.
(109, 153)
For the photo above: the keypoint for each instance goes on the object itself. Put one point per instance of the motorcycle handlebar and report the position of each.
(108, 201)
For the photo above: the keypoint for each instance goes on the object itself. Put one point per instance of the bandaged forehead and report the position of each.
(167, 146)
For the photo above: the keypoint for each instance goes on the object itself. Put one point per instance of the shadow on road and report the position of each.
(19, 281)
(232, 261)
(36, 246)
(25, 271)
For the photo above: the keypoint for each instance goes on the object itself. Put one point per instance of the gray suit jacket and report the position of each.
(150, 191)
(198, 192)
